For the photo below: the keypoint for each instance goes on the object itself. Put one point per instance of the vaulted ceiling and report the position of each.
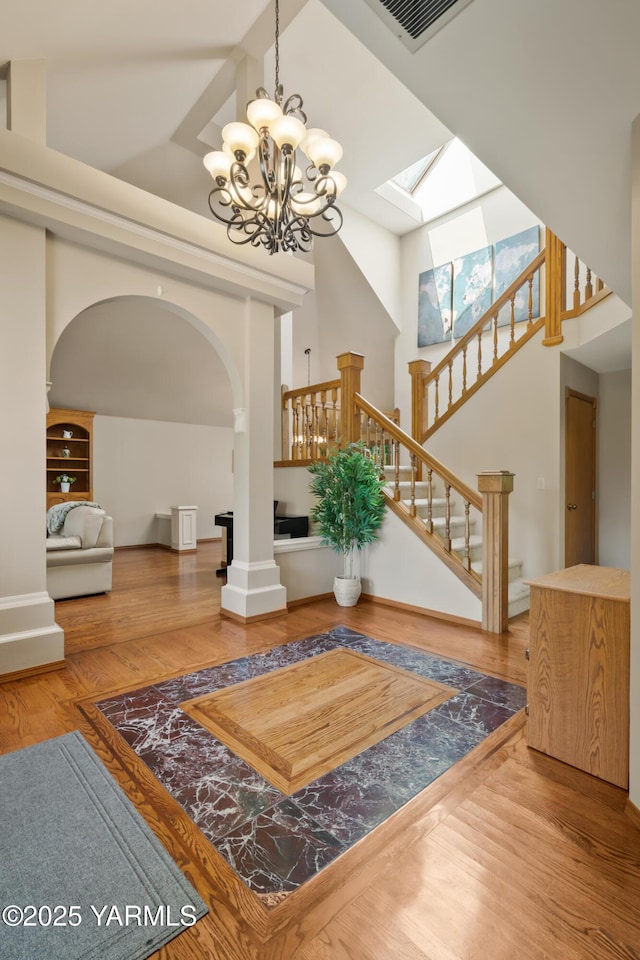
(544, 94)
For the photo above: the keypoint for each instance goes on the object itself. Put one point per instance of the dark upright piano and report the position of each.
(284, 525)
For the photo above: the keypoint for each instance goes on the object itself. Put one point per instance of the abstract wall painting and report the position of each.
(472, 289)
(512, 257)
(435, 289)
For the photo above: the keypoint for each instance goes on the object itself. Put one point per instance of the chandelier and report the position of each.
(286, 208)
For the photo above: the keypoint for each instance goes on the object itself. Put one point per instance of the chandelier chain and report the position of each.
(277, 47)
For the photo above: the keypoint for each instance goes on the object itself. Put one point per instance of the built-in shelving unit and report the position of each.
(72, 455)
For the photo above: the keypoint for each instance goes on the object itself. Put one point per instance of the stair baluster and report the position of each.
(447, 517)
(512, 321)
(396, 470)
(467, 536)
(412, 504)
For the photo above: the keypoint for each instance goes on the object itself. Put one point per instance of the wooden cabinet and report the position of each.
(578, 688)
(71, 454)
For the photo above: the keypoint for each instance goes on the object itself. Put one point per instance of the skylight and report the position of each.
(440, 182)
(411, 178)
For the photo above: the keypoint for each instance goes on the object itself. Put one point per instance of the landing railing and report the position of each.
(312, 423)
(439, 392)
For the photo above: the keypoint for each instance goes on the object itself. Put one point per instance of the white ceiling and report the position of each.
(130, 88)
(543, 93)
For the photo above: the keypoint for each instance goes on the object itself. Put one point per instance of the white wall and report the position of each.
(614, 468)
(634, 746)
(401, 568)
(378, 255)
(343, 314)
(143, 467)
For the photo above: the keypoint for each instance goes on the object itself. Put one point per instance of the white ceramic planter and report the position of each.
(65, 487)
(347, 590)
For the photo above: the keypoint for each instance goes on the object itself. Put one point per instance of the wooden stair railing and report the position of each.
(490, 505)
(439, 392)
(337, 408)
(391, 443)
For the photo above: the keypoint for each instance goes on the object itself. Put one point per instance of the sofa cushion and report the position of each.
(86, 523)
(67, 558)
(64, 543)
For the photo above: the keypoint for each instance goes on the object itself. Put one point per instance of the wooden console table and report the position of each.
(578, 688)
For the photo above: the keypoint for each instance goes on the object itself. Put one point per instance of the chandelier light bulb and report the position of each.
(261, 112)
(241, 138)
(312, 134)
(287, 131)
(306, 204)
(324, 153)
(340, 181)
(218, 164)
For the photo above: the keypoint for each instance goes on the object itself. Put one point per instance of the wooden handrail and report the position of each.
(414, 448)
(432, 404)
(495, 308)
(312, 388)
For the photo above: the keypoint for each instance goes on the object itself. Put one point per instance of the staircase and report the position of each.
(459, 524)
(517, 588)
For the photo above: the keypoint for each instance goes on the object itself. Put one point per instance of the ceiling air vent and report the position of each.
(415, 21)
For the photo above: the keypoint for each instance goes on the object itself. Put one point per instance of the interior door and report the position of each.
(580, 479)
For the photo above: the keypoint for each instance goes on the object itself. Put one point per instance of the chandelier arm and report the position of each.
(267, 169)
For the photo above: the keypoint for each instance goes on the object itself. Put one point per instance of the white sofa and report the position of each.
(80, 556)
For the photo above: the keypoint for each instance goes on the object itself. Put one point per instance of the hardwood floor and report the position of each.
(510, 854)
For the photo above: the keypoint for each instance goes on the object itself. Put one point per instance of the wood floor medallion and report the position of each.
(295, 724)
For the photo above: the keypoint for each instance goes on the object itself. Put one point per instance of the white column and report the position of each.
(634, 745)
(253, 590)
(29, 636)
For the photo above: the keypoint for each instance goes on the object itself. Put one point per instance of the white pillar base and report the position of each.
(29, 636)
(253, 591)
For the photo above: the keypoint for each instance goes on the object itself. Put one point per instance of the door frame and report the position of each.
(570, 392)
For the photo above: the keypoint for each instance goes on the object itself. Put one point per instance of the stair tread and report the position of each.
(512, 562)
(518, 589)
(457, 543)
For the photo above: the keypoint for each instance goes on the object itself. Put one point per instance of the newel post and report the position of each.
(285, 417)
(495, 487)
(554, 289)
(418, 371)
(350, 366)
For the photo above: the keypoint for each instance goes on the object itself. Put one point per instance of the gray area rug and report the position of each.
(82, 877)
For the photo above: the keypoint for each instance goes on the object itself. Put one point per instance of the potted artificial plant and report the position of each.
(348, 511)
(65, 482)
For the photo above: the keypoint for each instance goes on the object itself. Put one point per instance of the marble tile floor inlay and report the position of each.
(299, 722)
(276, 842)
